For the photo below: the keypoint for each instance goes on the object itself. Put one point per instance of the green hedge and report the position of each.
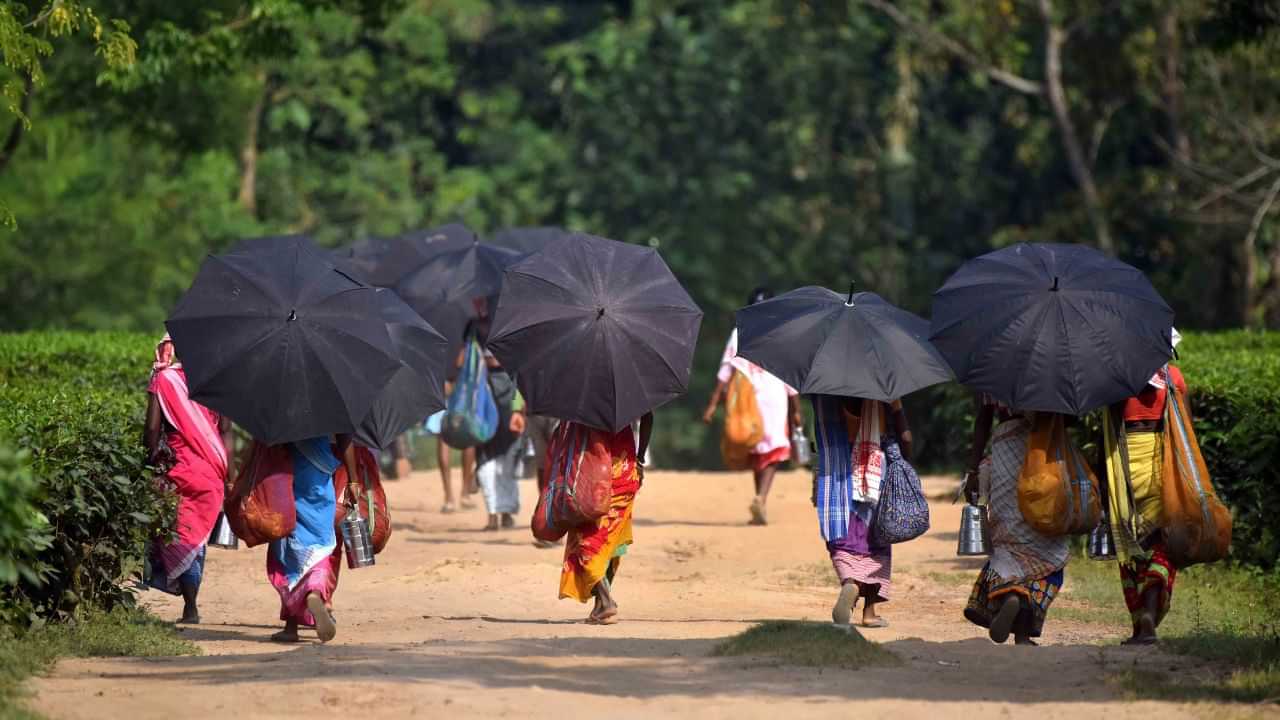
(74, 404)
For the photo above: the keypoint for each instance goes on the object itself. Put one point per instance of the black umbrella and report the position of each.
(443, 287)
(1059, 328)
(276, 338)
(416, 390)
(527, 239)
(383, 261)
(595, 330)
(821, 342)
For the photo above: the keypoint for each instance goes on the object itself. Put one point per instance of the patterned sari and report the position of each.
(1136, 508)
(592, 553)
(307, 561)
(198, 477)
(1023, 562)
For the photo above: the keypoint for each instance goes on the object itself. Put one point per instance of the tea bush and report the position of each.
(74, 404)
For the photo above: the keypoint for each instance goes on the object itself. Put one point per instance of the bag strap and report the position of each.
(1122, 444)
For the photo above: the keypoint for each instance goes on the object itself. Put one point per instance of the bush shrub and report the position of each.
(74, 403)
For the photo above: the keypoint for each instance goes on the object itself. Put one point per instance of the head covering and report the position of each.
(165, 355)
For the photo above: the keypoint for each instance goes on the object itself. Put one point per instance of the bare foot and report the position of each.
(1144, 633)
(288, 635)
(508, 522)
(326, 628)
(1024, 640)
(190, 616)
(757, 512)
(492, 524)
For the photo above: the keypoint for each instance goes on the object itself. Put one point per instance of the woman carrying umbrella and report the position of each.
(1146, 574)
(779, 413)
(853, 356)
(192, 442)
(599, 334)
(1015, 588)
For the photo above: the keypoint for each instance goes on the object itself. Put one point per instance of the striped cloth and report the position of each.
(841, 479)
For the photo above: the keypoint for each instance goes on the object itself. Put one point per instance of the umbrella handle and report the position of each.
(849, 302)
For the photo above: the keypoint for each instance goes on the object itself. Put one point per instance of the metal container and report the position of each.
(1102, 544)
(358, 539)
(802, 453)
(975, 535)
(222, 535)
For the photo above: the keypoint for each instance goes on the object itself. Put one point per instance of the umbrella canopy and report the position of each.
(596, 331)
(442, 288)
(276, 338)
(1058, 328)
(527, 239)
(416, 390)
(383, 261)
(821, 342)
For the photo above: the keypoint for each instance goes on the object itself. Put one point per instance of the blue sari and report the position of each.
(301, 563)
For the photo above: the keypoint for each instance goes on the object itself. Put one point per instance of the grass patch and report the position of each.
(1226, 614)
(119, 633)
(952, 579)
(807, 644)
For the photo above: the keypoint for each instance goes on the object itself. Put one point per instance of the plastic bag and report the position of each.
(579, 472)
(471, 417)
(743, 424)
(370, 497)
(1058, 492)
(1196, 525)
(266, 511)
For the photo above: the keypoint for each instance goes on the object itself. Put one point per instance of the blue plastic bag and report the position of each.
(471, 415)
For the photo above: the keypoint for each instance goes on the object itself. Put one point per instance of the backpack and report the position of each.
(1058, 492)
(579, 473)
(1196, 525)
(471, 416)
(743, 425)
(902, 513)
(266, 511)
(371, 499)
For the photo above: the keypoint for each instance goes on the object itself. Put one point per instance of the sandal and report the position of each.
(877, 623)
(284, 636)
(842, 611)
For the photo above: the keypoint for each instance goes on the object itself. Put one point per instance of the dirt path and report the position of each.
(457, 623)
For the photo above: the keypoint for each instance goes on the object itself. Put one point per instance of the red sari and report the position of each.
(197, 476)
(592, 551)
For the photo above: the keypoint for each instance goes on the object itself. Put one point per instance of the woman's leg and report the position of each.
(442, 460)
(487, 479)
(190, 612)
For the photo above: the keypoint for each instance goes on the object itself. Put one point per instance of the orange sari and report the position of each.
(593, 552)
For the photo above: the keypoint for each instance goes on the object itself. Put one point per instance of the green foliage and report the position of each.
(118, 633)
(75, 403)
(24, 531)
(807, 644)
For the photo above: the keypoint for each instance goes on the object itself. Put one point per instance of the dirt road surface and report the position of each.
(457, 623)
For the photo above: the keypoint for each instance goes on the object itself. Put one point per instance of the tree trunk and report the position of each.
(1249, 258)
(19, 127)
(248, 196)
(1171, 50)
(1055, 37)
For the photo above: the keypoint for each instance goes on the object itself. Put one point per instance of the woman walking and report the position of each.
(779, 411)
(1135, 472)
(593, 553)
(850, 465)
(303, 566)
(192, 441)
(1015, 588)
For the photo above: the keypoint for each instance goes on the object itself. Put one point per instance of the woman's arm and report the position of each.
(646, 431)
(347, 453)
(796, 419)
(153, 431)
(902, 428)
(981, 434)
(714, 403)
(229, 446)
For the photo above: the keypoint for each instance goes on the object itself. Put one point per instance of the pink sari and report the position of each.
(197, 476)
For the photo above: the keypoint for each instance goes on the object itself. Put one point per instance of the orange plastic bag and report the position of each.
(579, 472)
(266, 510)
(1196, 525)
(743, 424)
(369, 496)
(1057, 490)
